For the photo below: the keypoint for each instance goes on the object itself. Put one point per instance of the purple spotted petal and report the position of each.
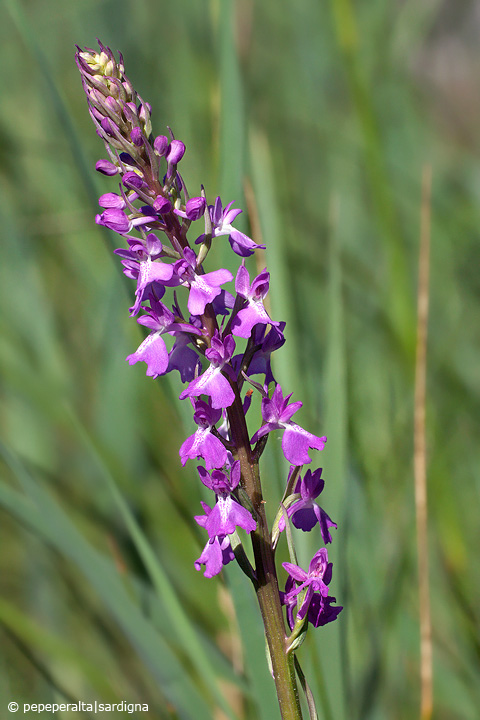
(153, 352)
(296, 442)
(213, 384)
(226, 516)
(216, 553)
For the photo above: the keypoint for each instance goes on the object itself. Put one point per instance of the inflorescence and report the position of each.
(203, 343)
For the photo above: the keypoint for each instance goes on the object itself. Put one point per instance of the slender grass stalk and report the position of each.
(420, 459)
(348, 39)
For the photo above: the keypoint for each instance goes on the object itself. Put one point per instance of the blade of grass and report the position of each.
(54, 648)
(41, 512)
(232, 115)
(397, 288)
(334, 461)
(420, 452)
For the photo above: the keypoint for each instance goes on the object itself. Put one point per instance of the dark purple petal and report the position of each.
(136, 136)
(205, 415)
(325, 523)
(133, 180)
(242, 245)
(184, 359)
(321, 611)
(304, 518)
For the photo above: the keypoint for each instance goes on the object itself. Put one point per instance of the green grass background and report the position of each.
(318, 116)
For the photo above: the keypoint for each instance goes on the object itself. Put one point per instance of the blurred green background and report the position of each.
(318, 118)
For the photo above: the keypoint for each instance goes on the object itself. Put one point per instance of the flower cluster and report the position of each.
(216, 339)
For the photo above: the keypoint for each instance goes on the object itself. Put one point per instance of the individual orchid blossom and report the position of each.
(305, 513)
(311, 581)
(218, 550)
(203, 288)
(152, 350)
(213, 383)
(150, 269)
(227, 513)
(296, 441)
(317, 604)
(254, 313)
(203, 443)
(221, 220)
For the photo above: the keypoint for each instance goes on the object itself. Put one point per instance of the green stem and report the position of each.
(267, 585)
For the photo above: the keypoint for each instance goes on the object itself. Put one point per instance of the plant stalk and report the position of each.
(267, 584)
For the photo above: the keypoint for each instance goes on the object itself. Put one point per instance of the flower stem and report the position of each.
(267, 584)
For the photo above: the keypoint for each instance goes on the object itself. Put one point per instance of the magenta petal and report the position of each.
(211, 557)
(214, 384)
(268, 427)
(226, 516)
(154, 353)
(213, 452)
(296, 572)
(247, 318)
(190, 448)
(199, 296)
(296, 442)
(242, 281)
(290, 410)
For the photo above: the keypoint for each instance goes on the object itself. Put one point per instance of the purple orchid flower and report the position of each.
(203, 288)
(227, 513)
(254, 313)
(305, 513)
(317, 602)
(203, 443)
(153, 350)
(312, 581)
(296, 441)
(149, 268)
(212, 382)
(222, 220)
(217, 552)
